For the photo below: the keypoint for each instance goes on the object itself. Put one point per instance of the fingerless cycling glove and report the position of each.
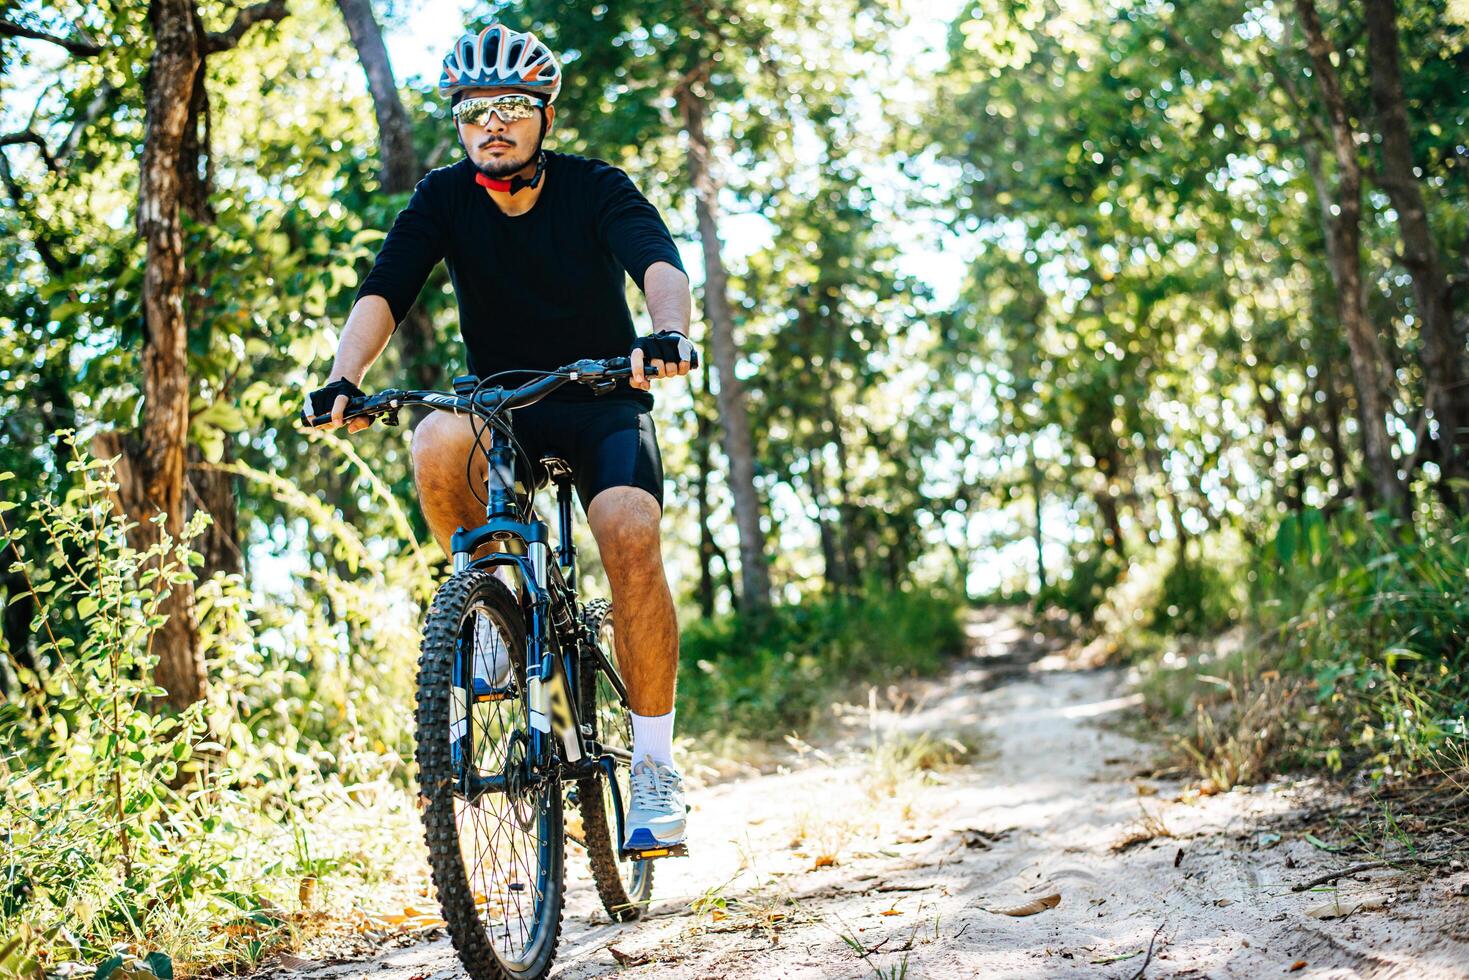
(668, 346)
(322, 399)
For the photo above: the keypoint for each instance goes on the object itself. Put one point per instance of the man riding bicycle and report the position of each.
(537, 245)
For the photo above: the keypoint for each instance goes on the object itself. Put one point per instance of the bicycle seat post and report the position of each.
(560, 474)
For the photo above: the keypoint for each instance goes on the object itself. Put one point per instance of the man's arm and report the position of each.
(670, 307)
(366, 334)
(413, 247)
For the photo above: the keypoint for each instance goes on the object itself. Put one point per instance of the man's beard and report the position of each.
(506, 166)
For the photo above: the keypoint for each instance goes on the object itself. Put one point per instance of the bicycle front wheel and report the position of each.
(495, 836)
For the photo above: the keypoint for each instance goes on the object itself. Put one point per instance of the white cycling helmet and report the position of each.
(498, 57)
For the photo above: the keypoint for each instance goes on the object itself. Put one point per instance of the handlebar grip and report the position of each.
(352, 409)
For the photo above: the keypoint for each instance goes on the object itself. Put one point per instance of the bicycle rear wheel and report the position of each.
(495, 839)
(625, 886)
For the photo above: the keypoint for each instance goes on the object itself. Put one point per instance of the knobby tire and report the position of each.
(478, 592)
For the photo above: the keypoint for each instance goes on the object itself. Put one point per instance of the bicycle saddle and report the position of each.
(556, 468)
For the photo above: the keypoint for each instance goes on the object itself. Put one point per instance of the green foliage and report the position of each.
(1358, 635)
(128, 823)
(755, 679)
(1085, 587)
(1197, 599)
(1376, 617)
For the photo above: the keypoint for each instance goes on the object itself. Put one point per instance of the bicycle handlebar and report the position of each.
(488, 401)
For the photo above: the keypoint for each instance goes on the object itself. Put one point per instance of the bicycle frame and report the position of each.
(550, 679)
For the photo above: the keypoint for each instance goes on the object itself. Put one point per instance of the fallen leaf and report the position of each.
(1338, 909)
(288, 962)
(891, 912)
(1030, 908)
(824, 861)
(628, 959)
(1315, 841)
(1297, 965)
(981, 839)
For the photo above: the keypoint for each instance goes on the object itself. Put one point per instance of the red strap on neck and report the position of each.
(491, 183)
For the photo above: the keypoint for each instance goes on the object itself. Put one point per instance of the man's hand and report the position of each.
(668, 350)
(334, 397)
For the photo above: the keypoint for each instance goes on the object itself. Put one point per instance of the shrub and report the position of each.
(188, 836)
(1376, 616)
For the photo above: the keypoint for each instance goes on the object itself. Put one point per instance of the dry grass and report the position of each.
(897, 760)
(1238, 733)
(1148, 827)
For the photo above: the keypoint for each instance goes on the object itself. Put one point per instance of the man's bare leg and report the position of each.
(625, 523)
(441, 444)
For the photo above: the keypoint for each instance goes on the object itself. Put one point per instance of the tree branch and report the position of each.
(245, 18)
(101, 102)
(30, 136)
(81, 47)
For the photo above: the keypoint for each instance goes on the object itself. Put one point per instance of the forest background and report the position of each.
(1149, 316)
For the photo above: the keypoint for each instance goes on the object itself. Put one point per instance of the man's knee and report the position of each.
(625, 523)
(438, 448)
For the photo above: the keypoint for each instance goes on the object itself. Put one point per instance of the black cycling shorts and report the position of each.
(609, 443)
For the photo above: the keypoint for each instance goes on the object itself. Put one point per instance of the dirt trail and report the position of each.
(849, 848)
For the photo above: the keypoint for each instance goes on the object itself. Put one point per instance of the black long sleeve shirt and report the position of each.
(537, 290)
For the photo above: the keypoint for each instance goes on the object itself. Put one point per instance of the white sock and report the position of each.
(491, 659)
(652, 737)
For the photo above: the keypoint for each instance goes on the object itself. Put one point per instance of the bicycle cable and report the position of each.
(478, 427)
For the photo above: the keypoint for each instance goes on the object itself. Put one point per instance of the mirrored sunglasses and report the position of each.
(512, 108)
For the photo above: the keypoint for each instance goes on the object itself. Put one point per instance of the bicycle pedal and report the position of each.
(483, 692)
(652, 853)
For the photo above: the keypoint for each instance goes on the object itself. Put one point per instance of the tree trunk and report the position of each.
(400, 164)
(15, 621)
(1344, 240)
(401, 170)
(1037, 491)
(738, 445)
(213, 491)
(158, 460)
(1111, 520)
(703, 436)
(1441, 354)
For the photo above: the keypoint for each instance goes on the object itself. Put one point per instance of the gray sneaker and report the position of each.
(655, 815)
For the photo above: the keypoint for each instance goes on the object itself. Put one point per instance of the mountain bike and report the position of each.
(499, 756)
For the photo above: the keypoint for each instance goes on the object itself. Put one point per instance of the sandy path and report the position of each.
(790, 870)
